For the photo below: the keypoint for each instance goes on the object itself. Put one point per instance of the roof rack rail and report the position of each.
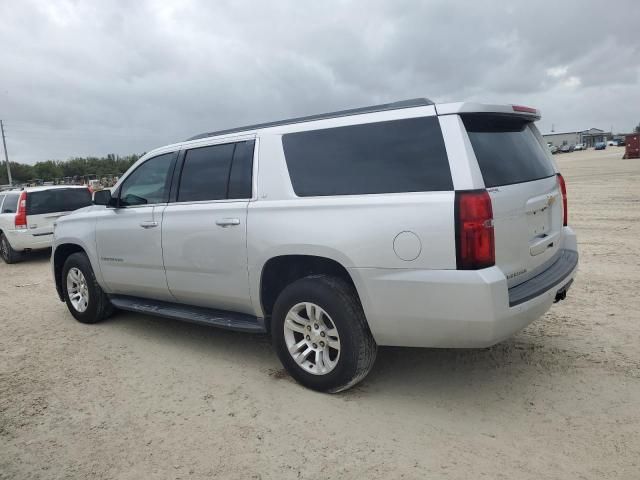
(414, 102)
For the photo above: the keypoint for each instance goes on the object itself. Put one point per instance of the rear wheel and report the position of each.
(8, 254)
(321, 335)
(84, 297)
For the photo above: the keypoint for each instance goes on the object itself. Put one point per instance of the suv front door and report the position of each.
(204, 229)
(128, 237)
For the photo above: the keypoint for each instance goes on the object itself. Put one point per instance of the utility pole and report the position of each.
(6, 157)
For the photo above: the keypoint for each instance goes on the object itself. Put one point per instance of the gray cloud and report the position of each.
(90, 78)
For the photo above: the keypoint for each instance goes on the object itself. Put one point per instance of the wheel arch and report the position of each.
(60, 255)
(282, 270)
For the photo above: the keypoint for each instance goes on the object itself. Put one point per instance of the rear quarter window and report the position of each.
(57, 200)
(385, 157)
(10, 204)
(507, 149)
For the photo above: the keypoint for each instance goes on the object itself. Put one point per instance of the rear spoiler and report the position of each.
(470, 107)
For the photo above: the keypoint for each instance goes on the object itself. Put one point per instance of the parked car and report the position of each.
(580, 146)
(566, 148)
(27, 217)
(388, 225)
(600, 145)
(553, 149)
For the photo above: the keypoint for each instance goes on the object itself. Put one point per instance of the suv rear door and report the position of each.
(204, 228)
(521, 179)
(45, 206)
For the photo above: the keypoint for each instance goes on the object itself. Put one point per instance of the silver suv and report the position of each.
(409, 224)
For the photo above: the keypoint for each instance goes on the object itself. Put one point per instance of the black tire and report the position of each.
(99, 307)
(8, 254)
(357, 346)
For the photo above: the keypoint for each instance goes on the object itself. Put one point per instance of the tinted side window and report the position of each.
(1, 200)
(149, 183)
(205, 173)
(507, 150)
(241, 176)
(387, 157)
(57, 200)
(10, 204)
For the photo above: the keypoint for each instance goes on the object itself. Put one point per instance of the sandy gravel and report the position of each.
(140, 398)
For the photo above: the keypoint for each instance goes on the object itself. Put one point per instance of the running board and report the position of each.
(204, 316)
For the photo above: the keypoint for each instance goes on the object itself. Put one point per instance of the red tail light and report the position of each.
(475, 241)
(21, 212)
(563, 189)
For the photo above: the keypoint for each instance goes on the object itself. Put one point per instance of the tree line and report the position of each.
(51, 170)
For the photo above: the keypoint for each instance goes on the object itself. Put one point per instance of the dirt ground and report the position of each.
(138, 397)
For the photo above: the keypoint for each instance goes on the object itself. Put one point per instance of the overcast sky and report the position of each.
(91, 78)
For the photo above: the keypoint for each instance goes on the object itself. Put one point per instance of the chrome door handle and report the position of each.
(149, 224)
(228, 222)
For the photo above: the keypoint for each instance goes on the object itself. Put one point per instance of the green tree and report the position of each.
(50, 170)
(19, 173)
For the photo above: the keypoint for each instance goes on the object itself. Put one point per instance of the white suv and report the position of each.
(27, 216)
(407, 224)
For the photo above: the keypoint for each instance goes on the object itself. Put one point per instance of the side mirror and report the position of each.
(103, 197)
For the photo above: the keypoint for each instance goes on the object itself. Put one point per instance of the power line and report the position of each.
(6, 156)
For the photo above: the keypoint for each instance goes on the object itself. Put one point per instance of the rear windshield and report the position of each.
(387, 157)
(57, 200)
(507, 149)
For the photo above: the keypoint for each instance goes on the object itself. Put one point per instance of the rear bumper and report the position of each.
(554, 275)
(24, 239)
(457, 308)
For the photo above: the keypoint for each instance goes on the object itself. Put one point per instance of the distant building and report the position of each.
(588, 137)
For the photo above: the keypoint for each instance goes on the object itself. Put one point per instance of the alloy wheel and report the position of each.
(77, 289)
(312, 338)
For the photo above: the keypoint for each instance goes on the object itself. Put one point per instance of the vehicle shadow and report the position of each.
(508, 375)
(200, 339)
(509, 364)
(402, 372)
(36, 256)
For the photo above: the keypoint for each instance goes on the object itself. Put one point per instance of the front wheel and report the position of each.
(321, 334)
(84, 297)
